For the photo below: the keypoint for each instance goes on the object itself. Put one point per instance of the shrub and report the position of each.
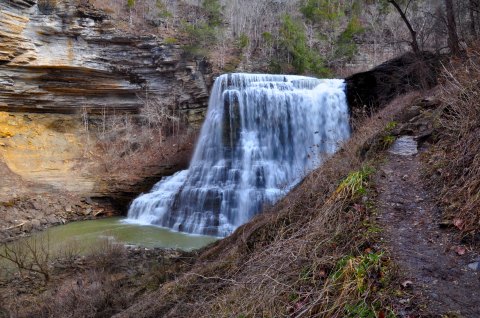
(30, 254)
(300, 56)
(108, 255)
(346, 47)
(243, 41)
(170, 41)
(47, 6)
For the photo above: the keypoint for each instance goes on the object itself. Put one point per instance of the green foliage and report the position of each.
(170, 40)
(391, 126)
(317, 11)
(267, 37)
(201, 37)
(130, 3)
(357, 269)
(387, 141)
(243, 41)
(346, 47)
(300, 56)
(214, 12)
(162, 10)
(360, 310)
(354, 184)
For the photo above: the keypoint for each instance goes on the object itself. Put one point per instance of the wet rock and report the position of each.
(404, 146)
(87, 211)
(78, 58)
(36, 224)
(27, 226)
(474, 266)
(51, 219)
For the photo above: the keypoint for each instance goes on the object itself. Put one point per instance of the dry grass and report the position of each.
(89, 294)
(455, 160)
(101, 283)
(311, 255)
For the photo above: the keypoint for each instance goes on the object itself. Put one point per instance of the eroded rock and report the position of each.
(61, 63)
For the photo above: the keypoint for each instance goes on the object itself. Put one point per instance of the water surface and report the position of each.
(88, 233)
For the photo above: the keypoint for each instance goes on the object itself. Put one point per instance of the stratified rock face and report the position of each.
(61, 59)
(66, 57)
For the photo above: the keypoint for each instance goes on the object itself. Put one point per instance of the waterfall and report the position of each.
(262, 134)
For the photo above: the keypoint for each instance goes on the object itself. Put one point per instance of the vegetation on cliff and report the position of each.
(345, 35)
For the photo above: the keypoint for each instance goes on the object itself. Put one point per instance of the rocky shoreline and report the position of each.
(21, 216)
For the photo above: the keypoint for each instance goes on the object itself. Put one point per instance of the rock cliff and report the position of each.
(61, 60)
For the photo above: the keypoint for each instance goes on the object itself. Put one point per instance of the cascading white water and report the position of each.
(262, 134)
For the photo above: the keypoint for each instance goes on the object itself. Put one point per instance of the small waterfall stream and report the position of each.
(262, 134)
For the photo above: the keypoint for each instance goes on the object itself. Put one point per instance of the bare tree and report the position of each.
(452, 28)
(31, 255)
(403, 15)
(473, 12)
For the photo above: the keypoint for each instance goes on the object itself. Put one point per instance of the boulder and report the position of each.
(367, 92)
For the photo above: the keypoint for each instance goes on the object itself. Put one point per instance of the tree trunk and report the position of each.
(473, 11)
(452, 29)
(413, 34)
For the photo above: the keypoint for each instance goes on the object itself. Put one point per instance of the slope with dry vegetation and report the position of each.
(455, 159)
(317, 253)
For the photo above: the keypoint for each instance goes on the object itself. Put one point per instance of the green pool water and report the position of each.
(88, 233)
(83, 237)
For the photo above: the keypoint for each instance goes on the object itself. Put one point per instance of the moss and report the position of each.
(170, 40)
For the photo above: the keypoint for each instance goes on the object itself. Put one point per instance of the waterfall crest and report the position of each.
(262, 134)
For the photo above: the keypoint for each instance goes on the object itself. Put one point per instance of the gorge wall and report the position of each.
(62, 59)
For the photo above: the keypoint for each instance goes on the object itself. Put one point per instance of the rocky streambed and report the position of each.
(21, 216)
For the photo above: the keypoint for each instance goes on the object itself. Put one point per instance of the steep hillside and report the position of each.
(333, 247)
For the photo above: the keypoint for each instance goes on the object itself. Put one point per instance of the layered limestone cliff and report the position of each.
(63, 62)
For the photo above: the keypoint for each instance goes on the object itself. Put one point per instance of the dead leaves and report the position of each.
(459, 224)
(460, 250)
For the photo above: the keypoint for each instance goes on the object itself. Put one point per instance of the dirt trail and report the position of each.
(427, 255)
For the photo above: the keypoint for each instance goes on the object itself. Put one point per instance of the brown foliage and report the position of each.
(125, 144)
(91, 294)
(455, 161)
(108, 256)
(281, 263)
